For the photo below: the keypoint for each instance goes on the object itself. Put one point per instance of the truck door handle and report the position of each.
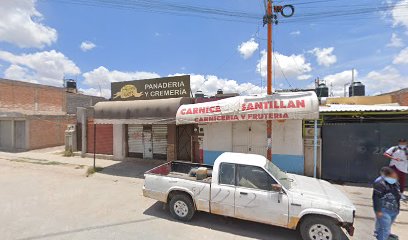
(243, 193)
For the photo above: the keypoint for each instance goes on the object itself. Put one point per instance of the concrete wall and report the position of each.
(79, 100)
(119, 141)
(287, 142)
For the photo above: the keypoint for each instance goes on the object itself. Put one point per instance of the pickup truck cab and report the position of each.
(250, 187)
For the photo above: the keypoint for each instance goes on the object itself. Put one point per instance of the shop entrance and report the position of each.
(249, 137)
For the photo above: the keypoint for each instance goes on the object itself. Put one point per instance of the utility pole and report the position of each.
(269, 76)
(269, 19)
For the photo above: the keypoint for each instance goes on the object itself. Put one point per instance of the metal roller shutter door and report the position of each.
(159, 140)
(135, 139)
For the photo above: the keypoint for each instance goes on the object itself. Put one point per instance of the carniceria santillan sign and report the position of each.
(156, 88)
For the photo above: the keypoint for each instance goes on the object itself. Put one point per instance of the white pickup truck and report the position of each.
(250, 187)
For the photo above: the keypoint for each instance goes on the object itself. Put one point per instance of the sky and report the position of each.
(220, 43)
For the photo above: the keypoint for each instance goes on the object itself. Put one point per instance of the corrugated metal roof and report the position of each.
(362, 108)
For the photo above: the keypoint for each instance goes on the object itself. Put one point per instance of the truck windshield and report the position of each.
(281, 176)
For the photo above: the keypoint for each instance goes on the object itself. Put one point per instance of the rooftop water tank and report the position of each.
(356, 89)
(322, 90)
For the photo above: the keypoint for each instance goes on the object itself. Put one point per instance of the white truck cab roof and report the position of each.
(241, 158)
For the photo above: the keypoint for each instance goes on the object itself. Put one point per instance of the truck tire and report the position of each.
(320, 228)
(182, 207)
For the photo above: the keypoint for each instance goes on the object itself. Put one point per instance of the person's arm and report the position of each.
(389, 154)
(378, 193)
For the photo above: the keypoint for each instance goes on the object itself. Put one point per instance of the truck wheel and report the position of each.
(320, 228)
(182, 207)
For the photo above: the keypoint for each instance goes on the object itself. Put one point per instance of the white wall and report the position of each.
(286, 136)
(119, 141)
(218, 137)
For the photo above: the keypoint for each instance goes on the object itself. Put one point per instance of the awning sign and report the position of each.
(279, 106)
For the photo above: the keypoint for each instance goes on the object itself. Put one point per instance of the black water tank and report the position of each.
(199, 94)
(219, 91)
(356, 89)
(322, 90)
(71, 84)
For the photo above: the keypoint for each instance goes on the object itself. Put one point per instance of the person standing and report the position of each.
(399, 162)
(386, 202)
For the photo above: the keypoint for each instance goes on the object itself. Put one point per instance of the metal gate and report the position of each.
(135, 141)
(159, 141)
(184, 133)
(353, 152)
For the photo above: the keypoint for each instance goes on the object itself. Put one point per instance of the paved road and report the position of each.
(53, 200)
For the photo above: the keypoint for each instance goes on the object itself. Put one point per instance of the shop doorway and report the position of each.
(249, 137)
(184, 142)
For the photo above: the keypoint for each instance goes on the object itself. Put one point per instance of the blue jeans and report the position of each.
(383, 224)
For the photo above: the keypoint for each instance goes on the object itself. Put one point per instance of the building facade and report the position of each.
(139, 122)
(34, 116)
(238, 124)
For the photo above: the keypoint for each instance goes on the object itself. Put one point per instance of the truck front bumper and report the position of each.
(350, 229)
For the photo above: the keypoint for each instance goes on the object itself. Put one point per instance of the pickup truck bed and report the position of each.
(184, 170)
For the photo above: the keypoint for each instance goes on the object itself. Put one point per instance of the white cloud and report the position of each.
(399, 13)
(48, 67)
(17, 72)
(295, 33)
(304, 77)
(21, 24)
(87, 45)
(402, 57)
(338, 80)
(209, 84)
(247, 49)
(385, 80)
(395, 41)
(324, 56)
(376, 82)
(101, 78)
(100, 92)
(292, 66)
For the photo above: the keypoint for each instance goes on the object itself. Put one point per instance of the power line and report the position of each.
(182, 9)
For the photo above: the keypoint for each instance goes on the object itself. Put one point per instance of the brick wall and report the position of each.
(16, 95)
(104, 138)
(400, 97)
(47, 131)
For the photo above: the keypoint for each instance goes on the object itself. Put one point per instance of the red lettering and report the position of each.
(183, 111)
(258, 105)
(282, 104)
(285, 115)
(275, 104)
(195, 110)
(217, 109)
(243, 107)
(291, 104)
(189, 111)
(250, 106)
(265, 105)
(300, 104)
(201, 110)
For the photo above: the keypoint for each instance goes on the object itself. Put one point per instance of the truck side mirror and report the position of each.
(277, 188)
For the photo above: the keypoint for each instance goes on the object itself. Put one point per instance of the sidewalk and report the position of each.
(359, 194)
